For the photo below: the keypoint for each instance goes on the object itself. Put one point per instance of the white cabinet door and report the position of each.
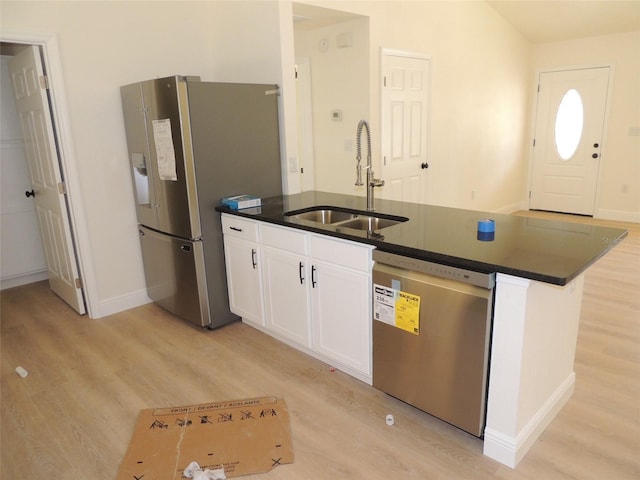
(341, 320)
(243, 279)
(287, 295)
(244, 272)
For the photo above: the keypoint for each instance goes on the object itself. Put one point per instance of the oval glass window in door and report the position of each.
(569, 124)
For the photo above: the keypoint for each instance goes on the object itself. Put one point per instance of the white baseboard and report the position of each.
(618, 215)
(23, 279)
(120, 304)
(514, 207)
(510, 450)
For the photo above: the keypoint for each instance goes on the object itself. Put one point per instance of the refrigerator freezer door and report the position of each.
(174, 271)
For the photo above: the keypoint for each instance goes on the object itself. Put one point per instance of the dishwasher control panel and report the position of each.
(485, 280)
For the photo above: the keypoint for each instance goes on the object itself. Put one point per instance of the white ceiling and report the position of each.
(538, 20)
(550, 21)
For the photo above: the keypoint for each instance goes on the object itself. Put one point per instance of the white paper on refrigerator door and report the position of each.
(165, 153)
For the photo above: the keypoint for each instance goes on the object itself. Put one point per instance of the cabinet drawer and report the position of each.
(240, 227)
(288, 239)
(341, 252)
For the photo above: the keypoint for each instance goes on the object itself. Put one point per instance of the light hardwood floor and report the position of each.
(73, 415)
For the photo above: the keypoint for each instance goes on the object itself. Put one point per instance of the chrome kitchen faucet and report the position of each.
(371, 182)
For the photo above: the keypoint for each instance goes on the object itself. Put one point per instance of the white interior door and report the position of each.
(568, 140)
(21, 256)
(405, 101)
(32, 106)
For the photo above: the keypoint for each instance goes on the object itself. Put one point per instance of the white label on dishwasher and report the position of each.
(384, 304)
(396, 308)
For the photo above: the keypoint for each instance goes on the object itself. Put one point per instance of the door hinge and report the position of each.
(78, 283)
(538, 88)
(44, 82)
(529, 193)
(534, 142)
(62, 188)
(384, 81)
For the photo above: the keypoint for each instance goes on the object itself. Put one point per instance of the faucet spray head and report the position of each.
(359, 174)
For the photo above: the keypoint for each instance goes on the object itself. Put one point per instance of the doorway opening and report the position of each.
(331, 48)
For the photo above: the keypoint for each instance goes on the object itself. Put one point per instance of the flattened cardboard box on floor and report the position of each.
(242, 436)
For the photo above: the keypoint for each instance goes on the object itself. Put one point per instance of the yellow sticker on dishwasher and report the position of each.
(396, 308)
(408, 312)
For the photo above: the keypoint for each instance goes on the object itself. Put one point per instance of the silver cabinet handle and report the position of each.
(253, 258)
(300, 269)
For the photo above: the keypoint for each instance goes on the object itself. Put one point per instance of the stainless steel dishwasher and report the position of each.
(431, 334)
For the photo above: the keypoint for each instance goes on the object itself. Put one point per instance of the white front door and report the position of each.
(32, 106)
(405, 100)
(568, 140)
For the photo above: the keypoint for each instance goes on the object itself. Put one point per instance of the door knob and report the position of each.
(424, 166)
(596, 145)
(595, 155)
(30, 193)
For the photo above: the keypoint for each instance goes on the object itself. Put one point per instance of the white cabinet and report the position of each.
(341, 299)
(286, 283)
(242, 260)
(316, 290)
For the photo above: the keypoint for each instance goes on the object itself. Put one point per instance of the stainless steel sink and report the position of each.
(370, 223)
(347, 218)
(325, 216)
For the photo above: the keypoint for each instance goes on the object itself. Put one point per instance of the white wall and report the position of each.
(479, 95)
(340, 81)
(619, 187)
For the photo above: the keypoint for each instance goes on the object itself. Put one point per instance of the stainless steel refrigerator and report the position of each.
(191, 143)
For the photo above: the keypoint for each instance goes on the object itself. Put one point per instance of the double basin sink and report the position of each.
(347, 218)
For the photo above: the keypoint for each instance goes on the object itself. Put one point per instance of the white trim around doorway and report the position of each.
(68, 165)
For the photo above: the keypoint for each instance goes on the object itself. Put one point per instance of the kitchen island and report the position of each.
(539, 266)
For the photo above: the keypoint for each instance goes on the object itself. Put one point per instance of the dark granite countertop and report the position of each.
(544, 250)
